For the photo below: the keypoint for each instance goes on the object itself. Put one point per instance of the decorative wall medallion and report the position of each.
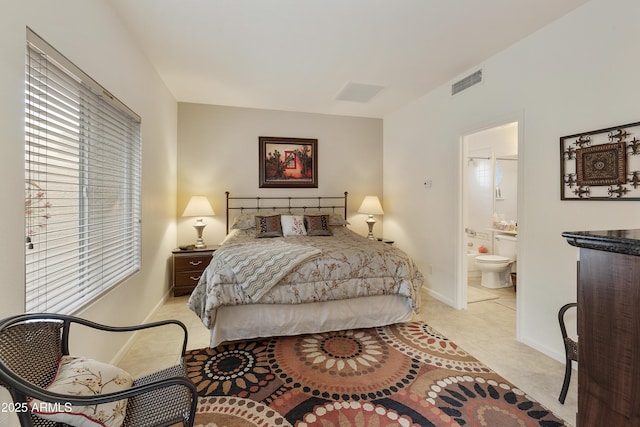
(604, 164)
(601, 165)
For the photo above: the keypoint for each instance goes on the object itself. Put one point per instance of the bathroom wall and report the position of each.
(479, 199)
(506, 203)
(491, 189)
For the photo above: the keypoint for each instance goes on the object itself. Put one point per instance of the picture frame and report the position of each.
(288, 162)
(601, 165)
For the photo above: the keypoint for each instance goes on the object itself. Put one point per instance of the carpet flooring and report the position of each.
(400, 375)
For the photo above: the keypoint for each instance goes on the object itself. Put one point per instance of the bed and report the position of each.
(290, 265)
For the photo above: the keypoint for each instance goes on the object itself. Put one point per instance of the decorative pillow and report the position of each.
(335, 218)
(293, 225)
(247, 220)
(85, 377)
(317, 225)
(268, 226)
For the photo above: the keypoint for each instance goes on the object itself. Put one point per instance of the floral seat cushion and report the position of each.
(79, 376)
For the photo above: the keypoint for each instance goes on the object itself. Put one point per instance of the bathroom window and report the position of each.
(483, 173)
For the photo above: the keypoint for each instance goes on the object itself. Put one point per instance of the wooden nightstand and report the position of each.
(188, 266)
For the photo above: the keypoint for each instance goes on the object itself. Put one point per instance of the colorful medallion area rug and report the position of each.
(405, 375)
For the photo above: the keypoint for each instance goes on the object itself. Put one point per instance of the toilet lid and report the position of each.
(491, 258)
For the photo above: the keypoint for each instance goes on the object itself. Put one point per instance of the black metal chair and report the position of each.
(31, 346)
(570, 350)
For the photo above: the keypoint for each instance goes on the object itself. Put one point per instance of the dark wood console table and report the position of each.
(608, 327)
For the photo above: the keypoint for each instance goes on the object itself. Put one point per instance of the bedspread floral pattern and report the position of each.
(350, 266)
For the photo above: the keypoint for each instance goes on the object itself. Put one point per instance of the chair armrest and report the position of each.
(133, 328)
(67, 320)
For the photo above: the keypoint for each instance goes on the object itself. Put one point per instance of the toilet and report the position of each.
(496, 269)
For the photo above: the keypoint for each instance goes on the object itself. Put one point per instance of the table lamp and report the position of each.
(371, 206)
(199, 207)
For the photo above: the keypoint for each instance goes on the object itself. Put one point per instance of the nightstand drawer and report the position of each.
(192, 263)
(187, 278)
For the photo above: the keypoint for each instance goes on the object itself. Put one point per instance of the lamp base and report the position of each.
(199, 226)
(370, 222)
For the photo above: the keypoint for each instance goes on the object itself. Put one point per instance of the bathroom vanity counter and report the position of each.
(608, 327)
(497, 230)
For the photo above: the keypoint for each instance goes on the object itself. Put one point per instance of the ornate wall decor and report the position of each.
(601, 165)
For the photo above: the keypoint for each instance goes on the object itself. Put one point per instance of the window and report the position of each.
(82, 185)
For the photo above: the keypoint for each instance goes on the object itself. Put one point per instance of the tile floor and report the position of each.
(486, 330)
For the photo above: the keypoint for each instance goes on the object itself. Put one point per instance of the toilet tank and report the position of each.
(506, 245)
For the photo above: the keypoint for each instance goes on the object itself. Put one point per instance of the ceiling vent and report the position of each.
(358, 92)
(467, 82)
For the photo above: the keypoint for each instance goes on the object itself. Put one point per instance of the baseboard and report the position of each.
(438, 296)
(127, 345)
(547, 351)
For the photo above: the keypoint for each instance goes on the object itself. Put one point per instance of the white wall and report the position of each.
(91, 36)
(578, 74)
(218, 152)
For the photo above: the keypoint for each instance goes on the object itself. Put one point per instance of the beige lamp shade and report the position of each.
(199, 206)
(371, 206)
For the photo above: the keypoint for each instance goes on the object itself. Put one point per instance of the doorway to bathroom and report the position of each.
(489, 211)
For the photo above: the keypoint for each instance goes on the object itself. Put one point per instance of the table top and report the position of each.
(194, 249)
(619, 241)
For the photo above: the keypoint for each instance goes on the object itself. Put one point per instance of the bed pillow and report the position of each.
(85, 377)
(244, 221)
(247, 220)
(293, 225)
(268, 226)
(317, 225)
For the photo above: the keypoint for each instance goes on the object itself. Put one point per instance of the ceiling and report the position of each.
(297, 55)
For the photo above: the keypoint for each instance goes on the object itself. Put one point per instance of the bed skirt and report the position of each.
(265, 320)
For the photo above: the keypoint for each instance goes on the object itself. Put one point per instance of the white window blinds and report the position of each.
(82, 185)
